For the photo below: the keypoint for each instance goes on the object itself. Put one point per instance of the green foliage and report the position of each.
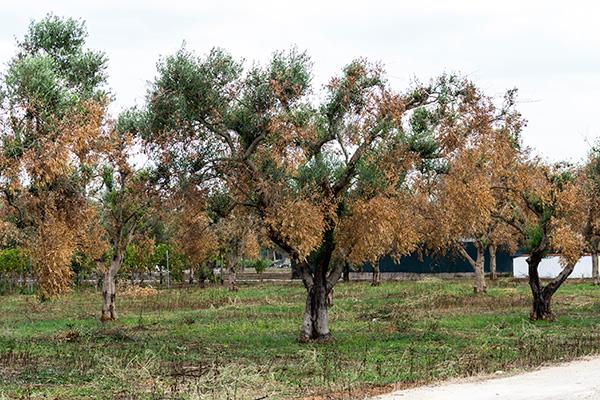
(421, 139)
(136, 260)
(292, 72)
(131, 120)
(63, 40)
(358, 79)
(52, 74)
(189, 89)
(166, 257)
(370, 178)
(82, 264)
(563, 173)
(533, 236)
(323, 168)
(13, 260)
(219, 204)
(260, 265)
(34, 80)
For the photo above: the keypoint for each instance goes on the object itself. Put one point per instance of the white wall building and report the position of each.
(550, 267)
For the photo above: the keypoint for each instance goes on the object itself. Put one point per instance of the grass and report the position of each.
(212, 344)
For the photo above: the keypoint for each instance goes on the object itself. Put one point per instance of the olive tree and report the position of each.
(306, 163)
(53, 100)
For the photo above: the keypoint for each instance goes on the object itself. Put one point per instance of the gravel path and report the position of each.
(577, 380)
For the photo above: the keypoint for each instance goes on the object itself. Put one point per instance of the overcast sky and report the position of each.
(549, 50)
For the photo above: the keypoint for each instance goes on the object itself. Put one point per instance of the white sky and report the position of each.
(550, 50)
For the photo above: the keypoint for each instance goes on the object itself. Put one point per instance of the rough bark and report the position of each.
(376, 278)
(315, 325)
(477, 265)
(493, 273)
(542, 295)
(319, 283)
(109, 291)
(231, 275)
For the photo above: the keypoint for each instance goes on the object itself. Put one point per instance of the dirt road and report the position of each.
(577, 380)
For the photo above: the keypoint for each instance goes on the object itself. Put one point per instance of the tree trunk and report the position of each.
(493, 273)
(346, 273)
(316, 318)
(376, 279)
(542, 296)
(477, 265)
(108, 297)
(319, 284)
(595, 277)
(231, 280)
(109, 291)
(231, 275)
(541, 307)
(480, 286)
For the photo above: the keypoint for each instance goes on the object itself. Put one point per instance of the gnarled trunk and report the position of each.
(319, 285)
(315, 325)
(493, 273)
(109, 291)
(542, 295)
(477, 265)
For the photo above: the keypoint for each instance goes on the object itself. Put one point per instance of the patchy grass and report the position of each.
(213, 344)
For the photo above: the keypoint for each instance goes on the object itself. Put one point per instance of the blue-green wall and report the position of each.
(450, 263)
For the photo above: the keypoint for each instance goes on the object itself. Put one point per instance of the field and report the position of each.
(193, 343)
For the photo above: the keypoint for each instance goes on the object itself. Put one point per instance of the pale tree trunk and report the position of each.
(477, 265)
(480, 285)
(231, 275)
(493, 274)
(109, 290)
(191, 277)
(376, 279)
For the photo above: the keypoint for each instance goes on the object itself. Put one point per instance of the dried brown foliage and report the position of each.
(45, 194)
(378, 226)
